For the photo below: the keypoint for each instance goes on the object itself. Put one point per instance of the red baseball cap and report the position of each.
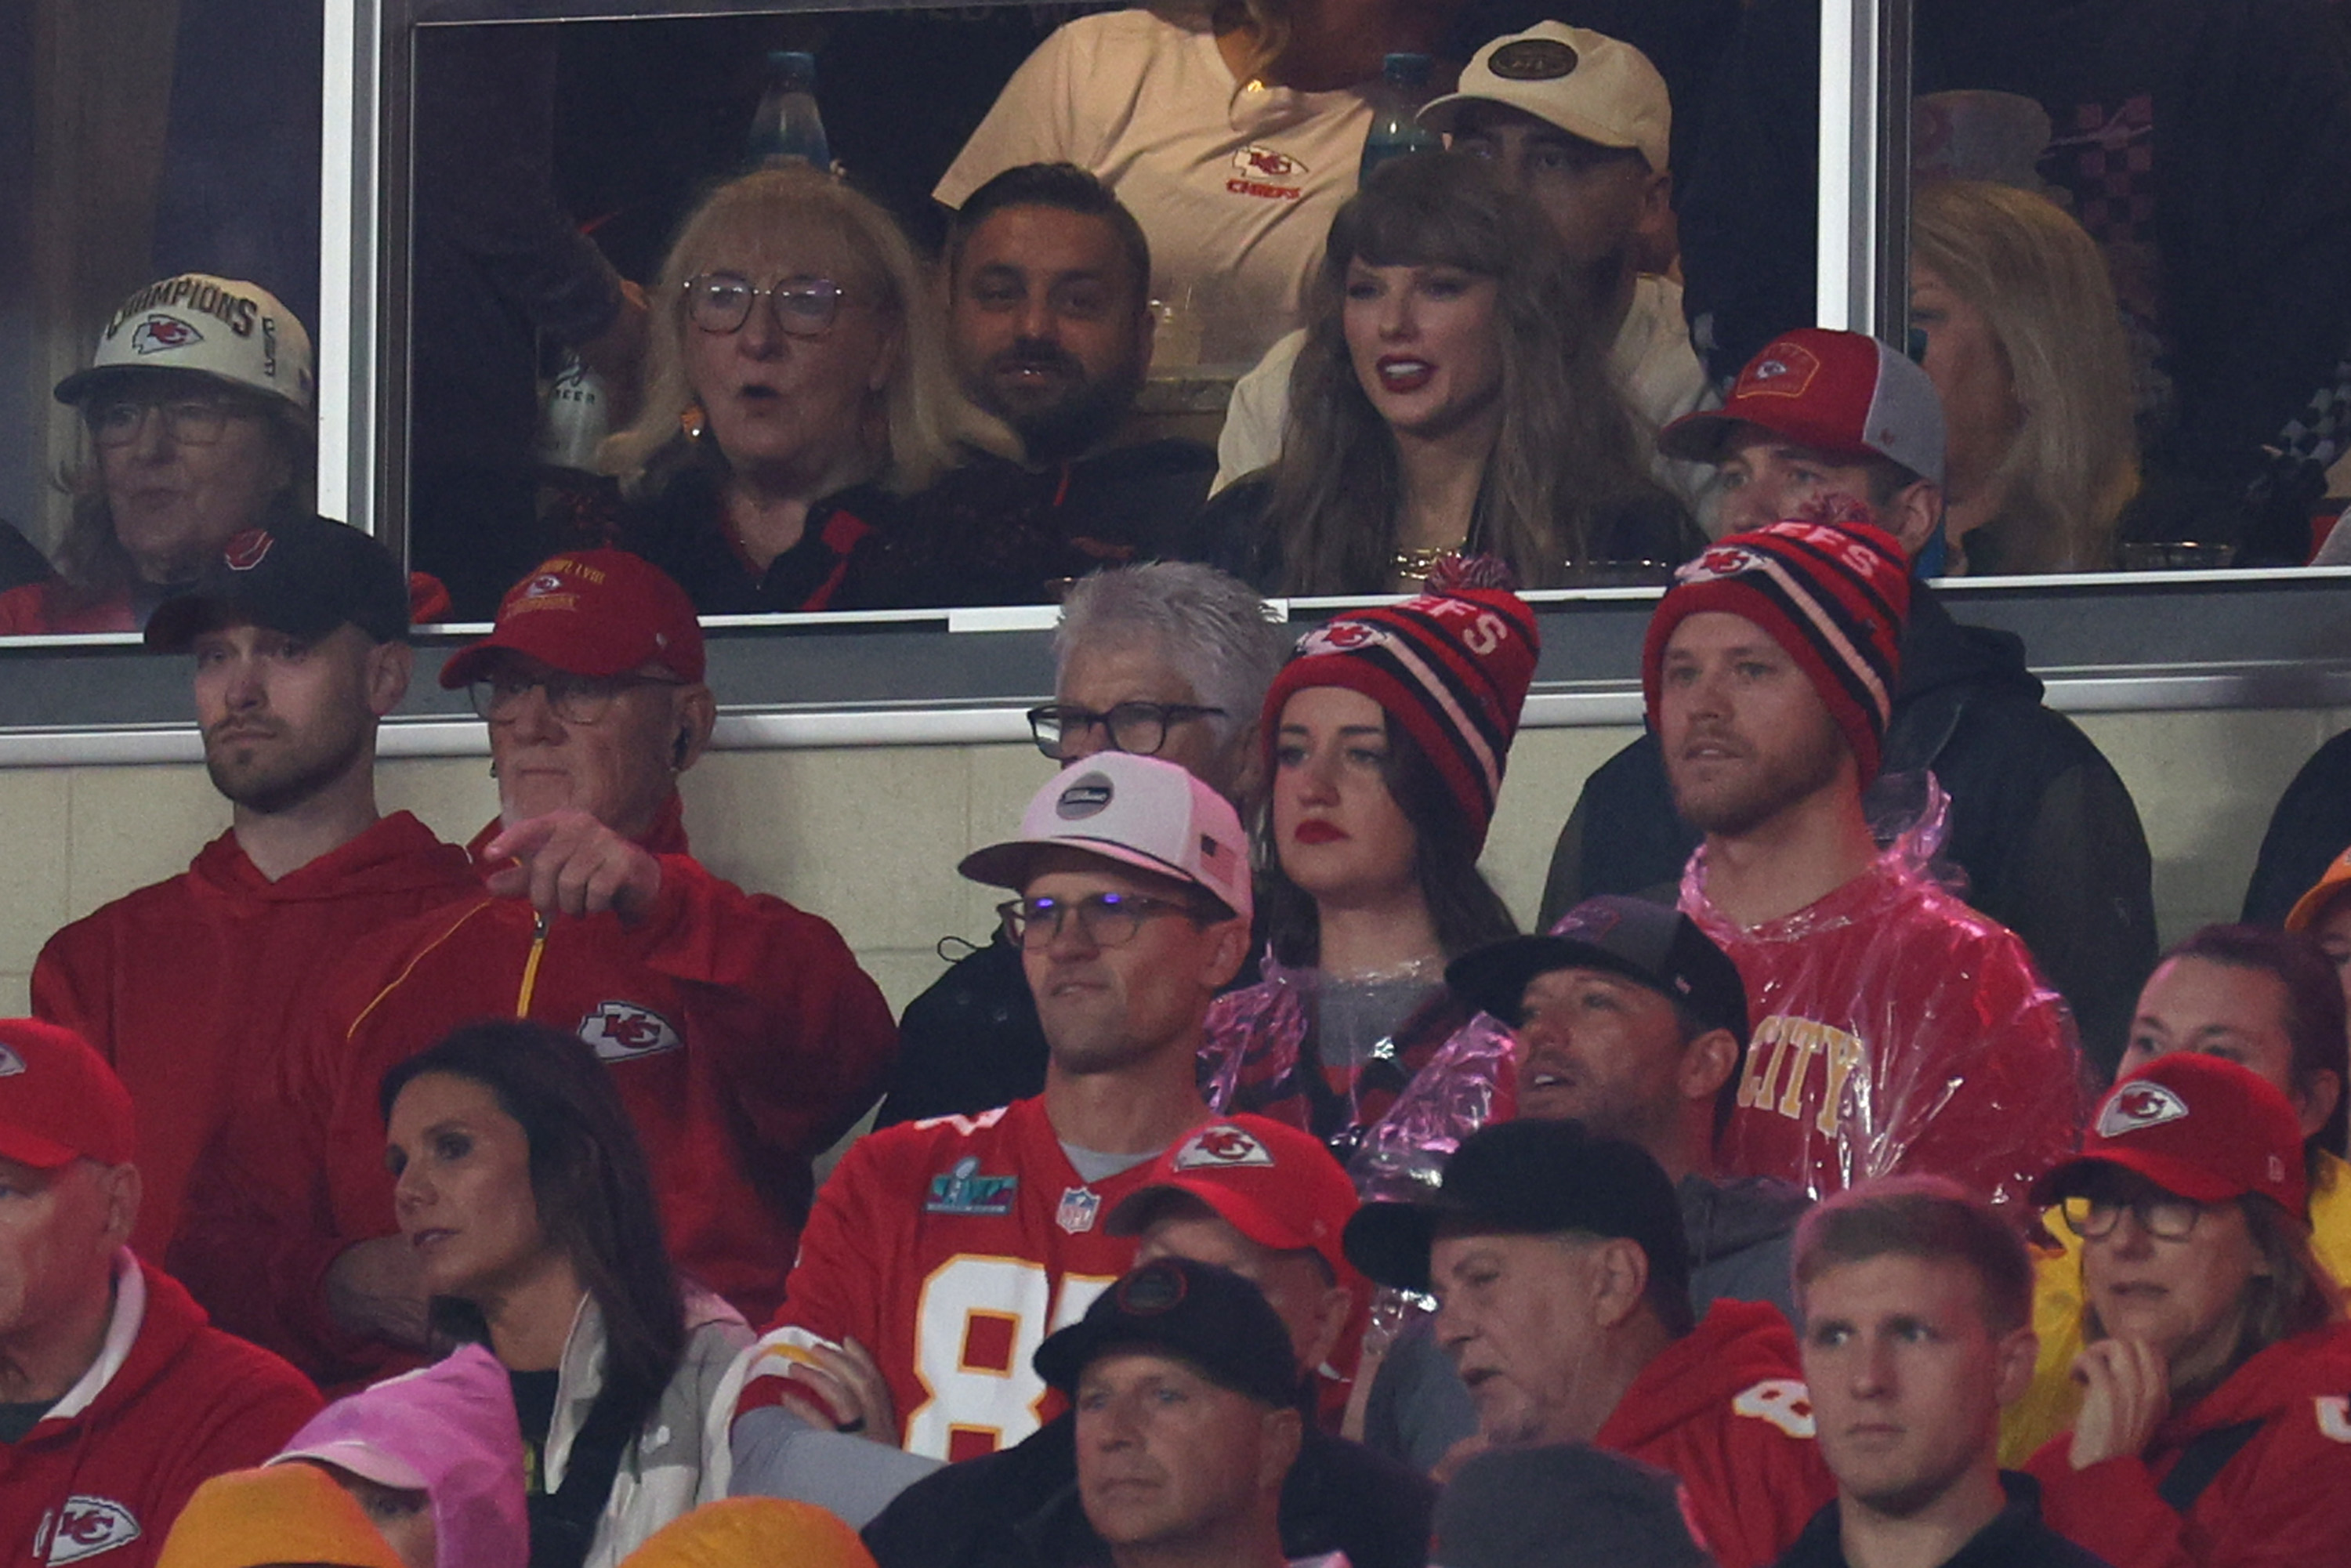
(1275, 1184)
(592, 613)
(59, 1101)
(1839, 393)
(2193, 1124)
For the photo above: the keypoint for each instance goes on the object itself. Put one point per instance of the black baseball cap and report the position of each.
(1529, 1178)
(299, 574)
(1660, 947)
(1565, 1505)
(1210, 1317)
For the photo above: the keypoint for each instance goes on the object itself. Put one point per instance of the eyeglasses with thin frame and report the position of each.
(1139, 728)
(575, 699)
(1104, 919)
(805, 307)
(189, 422)
(2162, 1216)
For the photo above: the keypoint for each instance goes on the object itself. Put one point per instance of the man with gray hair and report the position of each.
(1170, 659)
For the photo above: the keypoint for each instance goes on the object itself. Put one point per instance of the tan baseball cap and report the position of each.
(234, 332)
(1586, 83)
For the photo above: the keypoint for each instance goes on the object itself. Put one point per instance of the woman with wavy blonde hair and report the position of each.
(1452, 398)
(796, 385)
(2026, 346)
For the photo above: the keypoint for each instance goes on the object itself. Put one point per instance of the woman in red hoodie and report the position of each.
(2216, 1417)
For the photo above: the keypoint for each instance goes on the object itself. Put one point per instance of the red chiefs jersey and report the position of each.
(950, 1249)
(2284, 1497)
(1894, 1030)
(1725, 1408)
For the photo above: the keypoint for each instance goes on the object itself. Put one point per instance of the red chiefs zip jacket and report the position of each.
(2284, 1498)
(169, 1403)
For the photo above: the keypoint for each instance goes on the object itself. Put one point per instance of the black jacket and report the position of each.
(1018, 1509)
(968, 1043)
(2040, 821)
(2311, 826)
(2015, 1538)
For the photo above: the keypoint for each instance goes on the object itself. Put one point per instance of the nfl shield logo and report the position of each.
(1078, 1207)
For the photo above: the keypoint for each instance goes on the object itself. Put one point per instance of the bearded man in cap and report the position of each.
(116, 1399)
(740, 1032)
(1894, 1028)
(194, 988)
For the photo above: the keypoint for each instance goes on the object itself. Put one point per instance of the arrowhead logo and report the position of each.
(1221, 1146)
(623, 1031)
(2136, 1107)
(85, 1527)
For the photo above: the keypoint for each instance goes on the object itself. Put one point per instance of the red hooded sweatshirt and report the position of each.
(2284, 1499)
(741, 1033)
(1725, 1408)
(168, 1404)
(192, 988)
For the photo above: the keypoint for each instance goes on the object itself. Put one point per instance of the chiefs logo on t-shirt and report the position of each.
(623, 1031)
(1262, 171)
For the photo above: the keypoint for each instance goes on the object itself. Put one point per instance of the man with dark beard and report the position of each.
(192, 986)
(1049, 323)
(1894, 1028)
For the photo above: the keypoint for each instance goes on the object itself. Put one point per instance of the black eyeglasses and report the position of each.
(1140, 728)
(2162, 1216)
(575, 699)
(189, 422)
(1104, 919)
(805, 307)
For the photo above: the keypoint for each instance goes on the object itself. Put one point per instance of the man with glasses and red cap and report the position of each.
(116, 1400)
(941, 1252)
(741, 1033)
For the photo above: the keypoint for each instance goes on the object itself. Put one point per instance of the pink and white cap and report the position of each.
(1135, 811)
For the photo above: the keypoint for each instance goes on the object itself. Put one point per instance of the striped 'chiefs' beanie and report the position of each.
(1834, 598)
(1452, 668)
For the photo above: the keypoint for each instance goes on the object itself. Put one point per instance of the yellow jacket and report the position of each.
(2050, 1405)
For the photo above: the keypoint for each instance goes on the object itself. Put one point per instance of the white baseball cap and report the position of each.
(1586, 83)
(234, 332)
(1136, 811)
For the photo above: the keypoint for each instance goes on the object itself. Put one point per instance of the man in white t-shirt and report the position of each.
(1580, 122)
(1235, 181)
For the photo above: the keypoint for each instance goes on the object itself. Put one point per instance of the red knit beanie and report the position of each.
(1451, 668)
(1832, 597)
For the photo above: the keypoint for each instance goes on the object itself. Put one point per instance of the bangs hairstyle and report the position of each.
(1927, 1218)
(2312, 1016)
(1462, 904)
(923, 415)
(592, 1186)
(1564, 456)
(2041, 284)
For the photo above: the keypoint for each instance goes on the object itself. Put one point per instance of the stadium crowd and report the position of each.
(1838, 1176)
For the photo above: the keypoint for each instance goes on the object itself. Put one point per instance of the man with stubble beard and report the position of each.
(191, 987)
(941, 1252)
(1049, 316)
(1895, 1030)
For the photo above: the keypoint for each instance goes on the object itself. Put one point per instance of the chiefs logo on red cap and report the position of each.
(1339, 637)
(1221, 1146)
(1786, 369)
(539, 587)
(1722, 561)
(248, 550)
(2136, 1107)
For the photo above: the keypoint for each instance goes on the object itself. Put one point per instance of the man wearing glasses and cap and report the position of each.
(740, 1032)
(196, 988)
(941, 1252)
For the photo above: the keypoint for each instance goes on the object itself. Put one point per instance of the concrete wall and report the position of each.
(869, 838)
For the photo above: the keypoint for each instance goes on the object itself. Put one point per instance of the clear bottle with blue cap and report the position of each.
(787, 127)
(1396, 128)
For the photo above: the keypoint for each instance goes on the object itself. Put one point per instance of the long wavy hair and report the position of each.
(2041, 284)
(1566, 454)
(592, 1186)
(920, 417)
(1462, 904)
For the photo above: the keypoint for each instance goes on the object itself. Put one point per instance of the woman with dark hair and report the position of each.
(2214, 1428)
(520, 1183)
(2269, 1001)
(1453, 398)
(1385, 739)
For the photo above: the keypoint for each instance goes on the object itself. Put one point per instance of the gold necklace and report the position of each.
(1419, 560)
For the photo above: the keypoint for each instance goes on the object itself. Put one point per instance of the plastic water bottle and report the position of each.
(574, 416)
(787, 126)
(1404, 87)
